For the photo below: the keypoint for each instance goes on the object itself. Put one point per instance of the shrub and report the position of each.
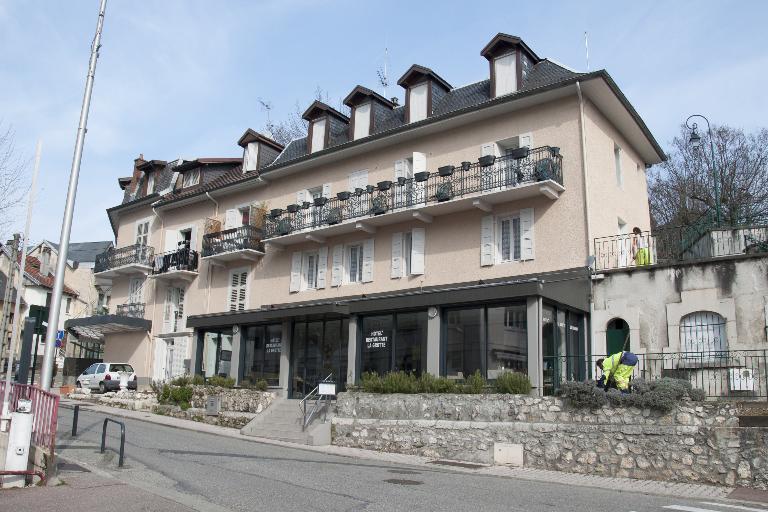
(475, 384)
(261, 385)
(183, 380)
(184, 406)
(179, 395)
(698, 395)
(513, 383)
(583, 394)
(198, 380)
(371, 382)
(222, 382)
(662, 395)
(399, 382)
(428, 383)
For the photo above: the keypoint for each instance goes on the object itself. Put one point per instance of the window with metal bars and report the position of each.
(704, 332)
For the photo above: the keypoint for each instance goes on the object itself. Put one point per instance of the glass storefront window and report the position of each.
(463, 342)
(318, 349)
(217, 353)
(261, 356)
(377, 344)
(410, 342)
(507, 339)
(395, 342)
(564, 350)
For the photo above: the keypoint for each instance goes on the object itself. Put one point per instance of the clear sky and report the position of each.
(182, 78)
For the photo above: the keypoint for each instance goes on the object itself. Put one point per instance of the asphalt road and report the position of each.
(212, 473)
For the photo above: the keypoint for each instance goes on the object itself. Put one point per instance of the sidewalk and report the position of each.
(639, 486)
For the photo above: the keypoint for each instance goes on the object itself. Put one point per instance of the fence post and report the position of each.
(122, 438)
(74, 420)
(765, 369)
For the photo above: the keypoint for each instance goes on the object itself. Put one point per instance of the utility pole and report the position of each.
(69, 209)
(6, 413)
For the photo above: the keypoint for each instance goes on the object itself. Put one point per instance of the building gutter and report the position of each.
(209, 280)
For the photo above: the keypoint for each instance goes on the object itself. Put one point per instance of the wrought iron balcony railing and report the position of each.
(133, 310)
(130, 255)
(489, 174)
(180, 259)
(230, 240)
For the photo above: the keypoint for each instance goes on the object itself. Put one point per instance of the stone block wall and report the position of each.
(695, 443)
(233, 400)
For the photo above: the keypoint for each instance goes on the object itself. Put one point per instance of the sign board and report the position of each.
(376, 340)
(274, 345)
(213, 405)
(742, 379)
(327, 388)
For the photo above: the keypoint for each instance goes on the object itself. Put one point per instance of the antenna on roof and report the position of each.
(382, 74)
(267, 107)
(586, 47)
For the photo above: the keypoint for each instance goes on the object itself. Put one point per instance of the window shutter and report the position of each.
(318, 135)
(168, 310)
(337, 265)
(252, 157)
(171, 240)
(399, 168)
(397, 256)
(322, 265)
(295, 284)
(419, 162)
(489, 148)
(525, 139)
(231, 219)
(193, 237)
(368, 260)
(486, 241)
(418, 236)
(237, 290)
(526, 234)
(301, 196)
(327, 190)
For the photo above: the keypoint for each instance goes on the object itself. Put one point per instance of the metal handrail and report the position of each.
(306, 420)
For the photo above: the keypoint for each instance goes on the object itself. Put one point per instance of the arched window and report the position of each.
(703, 331)
(617, 336)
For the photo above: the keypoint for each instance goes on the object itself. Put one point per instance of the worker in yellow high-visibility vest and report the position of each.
(617, 370)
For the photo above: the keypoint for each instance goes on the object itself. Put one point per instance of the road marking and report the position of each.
(689, 509)
(739, 507)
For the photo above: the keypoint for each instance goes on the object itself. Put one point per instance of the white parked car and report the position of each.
(106, 376)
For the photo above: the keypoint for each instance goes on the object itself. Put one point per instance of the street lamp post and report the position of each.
(695, 141)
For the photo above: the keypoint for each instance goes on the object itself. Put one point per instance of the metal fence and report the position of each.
(450, 182)
(45, 407)
(180, 259)
(670, 245)
(130, 255)
(727, 374)
(236, 239)
(133, 310)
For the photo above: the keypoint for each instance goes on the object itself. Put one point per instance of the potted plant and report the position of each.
(359, 191)
(379, 205)
(544, 169)
(445, 170)
(465, 166)
(283, 227)
(384, 185)
(520, 153)
(421, 176)
(320, 201)
(444, 191)
(343, 196)
(292, 208)
(487, 160)
(334, 216)
(401, 180)
(554, 150)
(369, 189)
(306, 204)
(275, 213)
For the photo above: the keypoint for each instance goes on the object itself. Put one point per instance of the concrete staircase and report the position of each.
(282, 420)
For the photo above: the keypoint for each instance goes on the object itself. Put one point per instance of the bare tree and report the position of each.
(294, 126)
(12, 179)
(682, 189)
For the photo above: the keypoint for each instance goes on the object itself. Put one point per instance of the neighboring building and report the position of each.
(448, 235)
(5, 263)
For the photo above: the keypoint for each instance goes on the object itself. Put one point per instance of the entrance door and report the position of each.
(616, 336)
(319, 350)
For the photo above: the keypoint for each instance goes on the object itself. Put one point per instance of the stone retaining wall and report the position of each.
(697, 442)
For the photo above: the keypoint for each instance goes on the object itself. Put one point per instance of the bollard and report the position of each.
(74, 420)
(122, 438)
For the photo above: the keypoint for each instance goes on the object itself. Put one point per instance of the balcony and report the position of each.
(127, 318)
(242, 243)
(125, 261)
(492, 180)
(178, 265)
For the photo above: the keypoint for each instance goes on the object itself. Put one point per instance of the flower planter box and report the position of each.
(487, 160)
(334, 216)
(379, 205)
(343, 196)
(555, 151)
(306, 205)
(444, 192)
(283, 227)
(445, 170)
(421, 176)
(520, 153)
(384, 185)
(320, 201)
(465, 166)
(401, 180)
(275, 213)
(369, 189)
(292, 208)
(359, 191)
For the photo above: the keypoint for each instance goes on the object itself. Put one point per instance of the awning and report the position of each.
(271, 314)
(96, 327)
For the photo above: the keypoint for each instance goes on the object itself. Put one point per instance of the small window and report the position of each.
(245, 215)
(617, 163)
(362, 121)
(151, 183)
(703, 332)
(417, 102)
(318, 135)
(310, 269)
(69, 304)
(142, 232)
(509, 239)
(355, 263)
(191, 177)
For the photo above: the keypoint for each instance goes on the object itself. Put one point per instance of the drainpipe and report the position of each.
(209, 280)
(215, 211)
(151, 359)
(588, 226)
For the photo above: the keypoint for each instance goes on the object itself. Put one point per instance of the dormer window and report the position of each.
(417, 102)
(510, 60)
(191, 178)
(258, 150)
(318, 135)
(362, 121)
(505, 72)
(150, 183)
(251, 157)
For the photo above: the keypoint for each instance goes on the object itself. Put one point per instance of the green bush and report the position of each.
(180, 394)
(698, 395)
(198, 380)
(475, 384)
(662, 394)
(513, 383)
(399, 382)
(184, 406)
(428, 383)
(183, 380)
(371, 382)
(222, 382)
(583, 394)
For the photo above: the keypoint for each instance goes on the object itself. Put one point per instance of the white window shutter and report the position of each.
(419, 162)
(489, 148)
(397, 256)
(171, 240)
(418, 236)
(318, 135)
(337, 265)
(368, 260)
(231, 219)
(193, 237)
(487, 249)
(399, 169)
(234, 287)
(327, 190)
(242, 292)
(322, 266)
(295, 284)
(505, 68)
(525, 139)
(301, 196)
(526, 234)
